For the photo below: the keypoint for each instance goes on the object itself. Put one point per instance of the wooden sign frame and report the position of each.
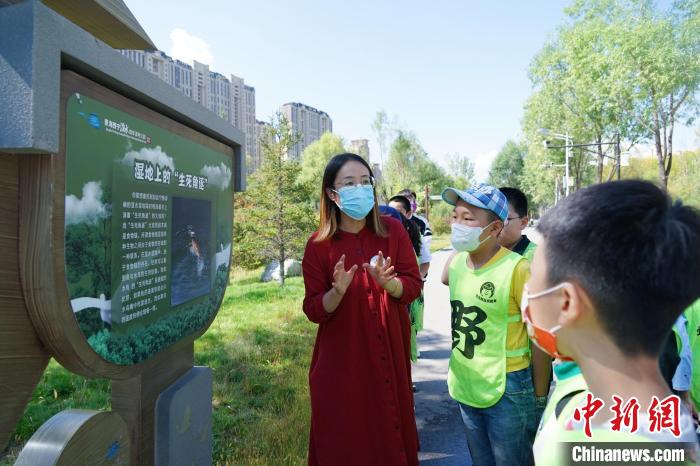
(42, 234)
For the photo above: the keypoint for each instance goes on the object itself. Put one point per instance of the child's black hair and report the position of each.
(403, 200)
(634, 251)
(413, 233)
(517, 199)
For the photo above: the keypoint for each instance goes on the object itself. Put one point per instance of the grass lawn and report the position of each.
(259, 348)
(439, 241)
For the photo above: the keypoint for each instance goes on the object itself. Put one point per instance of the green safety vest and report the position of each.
(569, 381)
(529, 252)
(415, 313)
(692, 314)
(479, 300)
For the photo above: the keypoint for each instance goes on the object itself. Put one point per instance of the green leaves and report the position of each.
(622, 67)
(507, 167)
(275, 216)
(315, 158)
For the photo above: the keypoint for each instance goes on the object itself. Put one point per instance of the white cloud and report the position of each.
(482, 164)
(155, 156)
(89, 208)
(218, 176)
(186, 47)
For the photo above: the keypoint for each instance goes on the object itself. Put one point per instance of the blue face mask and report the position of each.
(356, 201)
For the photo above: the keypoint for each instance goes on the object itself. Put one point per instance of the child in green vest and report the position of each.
(512, 236)
(617, 264)
(692, 315)
(489, 372)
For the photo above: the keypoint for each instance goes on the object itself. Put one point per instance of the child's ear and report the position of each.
(574, 303)
(497, 227)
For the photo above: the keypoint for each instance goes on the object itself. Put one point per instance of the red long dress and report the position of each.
(360, 376)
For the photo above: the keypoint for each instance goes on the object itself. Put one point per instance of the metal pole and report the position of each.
(619, 154)
(566, 182)
(427, 202)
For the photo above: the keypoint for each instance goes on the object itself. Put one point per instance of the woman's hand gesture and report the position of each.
(382, 272)
(341, 277)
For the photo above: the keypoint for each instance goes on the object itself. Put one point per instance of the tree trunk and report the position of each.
(282, 271)
(601, 158)
(669, 154)
(663, 179)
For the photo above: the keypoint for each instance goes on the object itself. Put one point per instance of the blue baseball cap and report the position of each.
(483, 196)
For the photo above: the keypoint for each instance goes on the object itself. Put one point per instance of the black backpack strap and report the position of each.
(564, 401)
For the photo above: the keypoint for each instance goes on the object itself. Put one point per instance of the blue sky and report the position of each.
(454, 72)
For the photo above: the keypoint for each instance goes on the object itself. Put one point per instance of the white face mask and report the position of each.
(466, 238)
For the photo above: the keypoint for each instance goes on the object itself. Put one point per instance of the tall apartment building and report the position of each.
(181, 77)
(174, 72)
(230, 99)
(308, 122)
(242, 104)
(249, 120)
(361, 148)
(261, 128)
(200, 83)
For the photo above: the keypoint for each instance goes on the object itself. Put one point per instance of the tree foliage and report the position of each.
(507, 167)
(409, 166)
(315, 158)
(461, 169)
(274, 217)
(622, 67)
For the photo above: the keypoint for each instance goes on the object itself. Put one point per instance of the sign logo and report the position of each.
(487, 293)
(122, 129)
(466, 327)
(94, 120)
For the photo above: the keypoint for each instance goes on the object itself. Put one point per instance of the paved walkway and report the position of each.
(437, 415)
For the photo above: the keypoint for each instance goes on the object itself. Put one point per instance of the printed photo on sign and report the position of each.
(191, 244)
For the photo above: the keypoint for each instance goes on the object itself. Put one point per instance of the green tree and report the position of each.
(653, 59)
(274, 217)
(685, 174)
(460, 169)
(507, 167)
(315, 158)
(409, 166)
(574, 71)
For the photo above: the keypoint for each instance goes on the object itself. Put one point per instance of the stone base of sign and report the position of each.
(135, 400)
(184, 420)
(77, 436)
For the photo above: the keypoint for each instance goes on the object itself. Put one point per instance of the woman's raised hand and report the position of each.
(341, 277)
(382, 272)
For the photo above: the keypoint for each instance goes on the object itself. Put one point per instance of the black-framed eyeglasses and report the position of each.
(513, 218)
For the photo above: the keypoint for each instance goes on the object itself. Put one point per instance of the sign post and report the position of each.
(117, 198)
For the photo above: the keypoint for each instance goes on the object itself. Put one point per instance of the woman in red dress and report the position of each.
(360, 274)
